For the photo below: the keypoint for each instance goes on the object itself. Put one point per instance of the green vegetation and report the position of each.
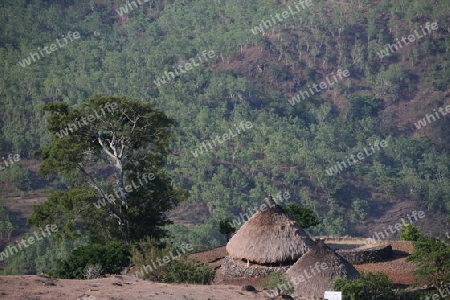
(367, 286)
(42, 256)
(187, 271)
(410, 233)
(251, 77)
(146, 256)
(226, 228)
(111, 258)
(132, 139)
(433, 259)
(20, 177)
(143, 253)
(363, 106)
(304, 216)
(6, 226)
(277, 280)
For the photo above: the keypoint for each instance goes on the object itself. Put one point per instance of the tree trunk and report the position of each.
(124, 201)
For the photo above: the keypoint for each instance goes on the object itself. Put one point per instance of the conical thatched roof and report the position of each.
(269, 237)
(315, 272)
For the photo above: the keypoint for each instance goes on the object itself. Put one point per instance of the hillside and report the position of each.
(285, 80)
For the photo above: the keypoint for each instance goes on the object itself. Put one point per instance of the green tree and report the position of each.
(304, 216)
(20, 177)
(361, 106)
(367, 287)
(433, 259)
(226, 228)
(410, 233)
(360, 208)
(119, 188)
(6, 225)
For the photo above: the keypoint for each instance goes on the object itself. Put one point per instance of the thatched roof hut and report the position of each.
(315, 272)
(269, 237)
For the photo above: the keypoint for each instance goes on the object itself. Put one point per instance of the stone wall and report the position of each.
(369, 255)
(234, 268)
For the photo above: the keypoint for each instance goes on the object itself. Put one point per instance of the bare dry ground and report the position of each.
(114, 288)
(397, 269)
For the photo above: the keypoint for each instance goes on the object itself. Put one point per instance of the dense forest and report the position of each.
(221, 73)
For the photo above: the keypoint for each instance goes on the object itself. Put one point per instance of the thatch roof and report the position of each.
(269, 237)
(315, 272)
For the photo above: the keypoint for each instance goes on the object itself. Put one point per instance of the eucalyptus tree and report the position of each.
(115, 166)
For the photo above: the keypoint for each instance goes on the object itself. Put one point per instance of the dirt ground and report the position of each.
(36, 287)
(397, 268)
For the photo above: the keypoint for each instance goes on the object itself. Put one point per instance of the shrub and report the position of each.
(112, 257)
(187, 271)
(92, 271)
(368, 286)
(145, 252)
(147, 255)
(277, 280)
(410, 233)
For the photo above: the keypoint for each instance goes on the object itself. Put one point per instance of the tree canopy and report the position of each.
(111, 150)
(304, 216)
(433, 259)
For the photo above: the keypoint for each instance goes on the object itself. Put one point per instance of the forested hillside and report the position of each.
(263, 87)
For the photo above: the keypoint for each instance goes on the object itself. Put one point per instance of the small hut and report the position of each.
(269, 237)
(315, 272)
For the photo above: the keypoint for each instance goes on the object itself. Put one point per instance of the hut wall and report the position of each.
(233, 268)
